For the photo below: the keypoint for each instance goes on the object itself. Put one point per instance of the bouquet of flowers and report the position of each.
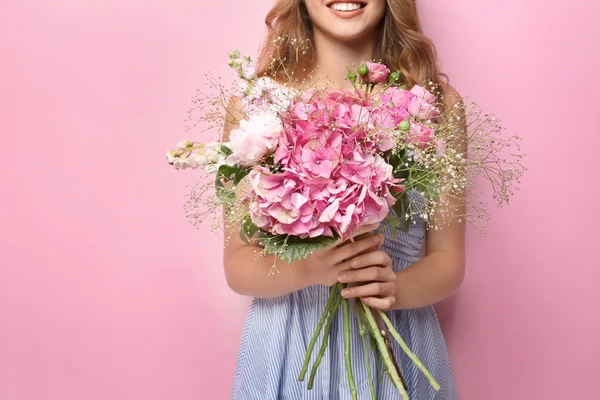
(305, 168)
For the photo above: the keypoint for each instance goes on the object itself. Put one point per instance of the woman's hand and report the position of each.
(323, 266)
(375, 279)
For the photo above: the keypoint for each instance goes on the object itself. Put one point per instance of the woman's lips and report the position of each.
(346, 9)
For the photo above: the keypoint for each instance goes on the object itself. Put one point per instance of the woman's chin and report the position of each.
(349, 35)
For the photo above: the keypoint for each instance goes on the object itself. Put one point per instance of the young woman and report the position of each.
(389, 274)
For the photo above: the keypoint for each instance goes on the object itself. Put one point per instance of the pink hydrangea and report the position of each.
(332, 180)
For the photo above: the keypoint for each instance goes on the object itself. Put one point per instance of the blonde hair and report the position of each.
(402, 46)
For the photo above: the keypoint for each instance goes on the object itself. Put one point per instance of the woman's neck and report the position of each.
(333, 58)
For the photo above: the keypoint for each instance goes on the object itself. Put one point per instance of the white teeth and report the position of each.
(345, 6)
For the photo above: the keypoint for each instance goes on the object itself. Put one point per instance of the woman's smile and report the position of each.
(346, 9)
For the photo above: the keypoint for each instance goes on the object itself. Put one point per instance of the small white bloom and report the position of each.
(180, 163)
(197, 160)
(171, 156)
(212, 152)
(266, 95)
(242, 88)
(249, 72)
(184, 144)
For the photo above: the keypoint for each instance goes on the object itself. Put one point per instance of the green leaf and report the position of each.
(225, 195)
(226, 150)
(248, 229)
(400, 208)
(292, 248)
(351, 76)
(394, 222)
(232, 173)
(227, 173)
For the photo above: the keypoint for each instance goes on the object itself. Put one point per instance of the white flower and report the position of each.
(242, 87)
(197, 160)
(213, 156)
(180, 163)
(212, 152)
(256, 137)
(249, 72)
(266, 95)
(171, 156)
(184, 144)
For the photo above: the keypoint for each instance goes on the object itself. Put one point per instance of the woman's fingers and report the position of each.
(366, 229)
(350, 250)
(384, 304)
(375, 273)
(360, 231)
(374, 289)
(376, 257)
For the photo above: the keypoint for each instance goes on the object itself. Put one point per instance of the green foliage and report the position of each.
(352, 76)
(248, 229)
(399, 221)
(425, 181)
(228, 173)
(226, 150)
(397, 161)
(292, 248)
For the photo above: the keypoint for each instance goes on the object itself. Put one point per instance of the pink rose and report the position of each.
(420, 135)
(423, 94)
(423, 104)
(399, 98)
(440, 148)
(377, 73)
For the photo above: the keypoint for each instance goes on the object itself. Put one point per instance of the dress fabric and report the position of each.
(277, 331)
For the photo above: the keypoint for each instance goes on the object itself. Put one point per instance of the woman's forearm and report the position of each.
(248, 274)
(429, 280)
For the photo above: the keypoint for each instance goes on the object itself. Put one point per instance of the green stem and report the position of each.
(334, 308)
(349, 373)
(387, 361)
(377, 356)
(408, 352)
(363, 336)
(313, 340)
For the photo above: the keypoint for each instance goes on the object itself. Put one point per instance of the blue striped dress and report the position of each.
(277, 332)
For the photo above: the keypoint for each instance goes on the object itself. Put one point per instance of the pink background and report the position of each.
(107, 293)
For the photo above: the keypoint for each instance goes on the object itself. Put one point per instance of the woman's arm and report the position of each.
(438, 274)
(250, 275)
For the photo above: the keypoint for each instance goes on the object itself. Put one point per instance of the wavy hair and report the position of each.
(402, 44)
